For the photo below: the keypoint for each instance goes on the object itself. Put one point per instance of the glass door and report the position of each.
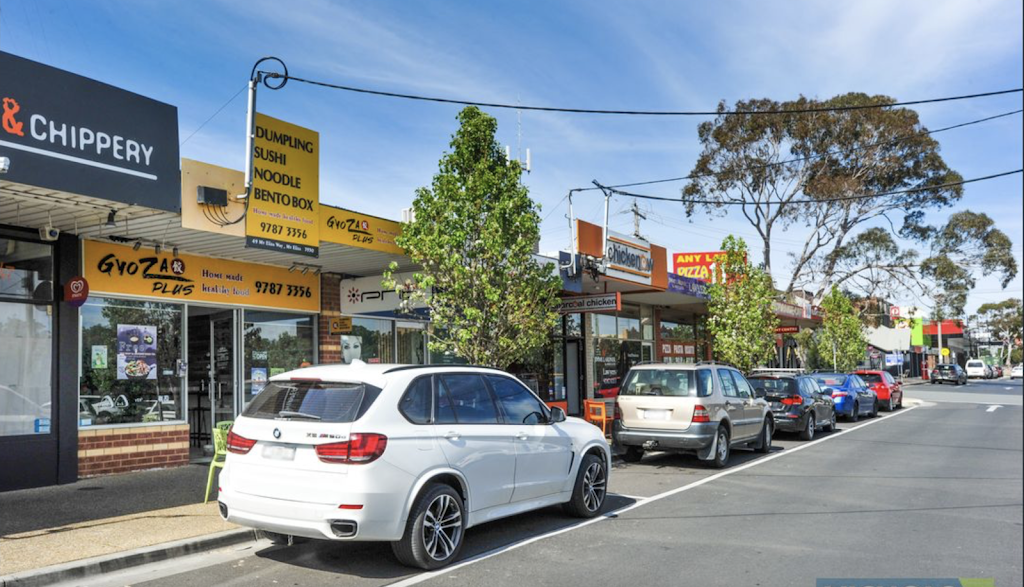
(222, 367)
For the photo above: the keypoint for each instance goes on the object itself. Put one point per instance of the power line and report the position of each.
(214, 115)
(830, 200)
(463, 102)
(809, 157)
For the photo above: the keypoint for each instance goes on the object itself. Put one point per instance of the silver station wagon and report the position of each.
(702, 409)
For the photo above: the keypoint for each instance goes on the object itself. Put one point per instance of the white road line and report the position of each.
(414, 580)
(993, 408)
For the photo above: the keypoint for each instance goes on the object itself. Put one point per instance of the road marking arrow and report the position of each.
(993, 408)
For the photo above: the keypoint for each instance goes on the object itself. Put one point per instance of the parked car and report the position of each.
(949, 373)
(888, 390)
(702, 409)
(997, 371)
(414, 455)
(797, 403)
(852, 397)
(1017, 372)
(977, 368)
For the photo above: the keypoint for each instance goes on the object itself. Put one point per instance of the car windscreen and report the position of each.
(671, 382)
(871, 377)
(831, 380)
(312, 400)
(775, 386)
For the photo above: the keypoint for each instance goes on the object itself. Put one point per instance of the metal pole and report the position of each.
(250, 134)
(940, 341)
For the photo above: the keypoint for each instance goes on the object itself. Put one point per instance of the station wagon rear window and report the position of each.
(318, 401)
(670, 382)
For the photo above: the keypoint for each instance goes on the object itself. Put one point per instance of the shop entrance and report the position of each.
(212, 371)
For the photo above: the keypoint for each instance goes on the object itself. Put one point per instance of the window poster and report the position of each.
(136, 351)
(98, 356)
(351, 348)
(259, 379)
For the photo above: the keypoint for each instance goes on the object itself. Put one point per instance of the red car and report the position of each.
(888, 390)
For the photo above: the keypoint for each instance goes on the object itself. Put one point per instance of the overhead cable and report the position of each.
(681, 200)
(463, 102)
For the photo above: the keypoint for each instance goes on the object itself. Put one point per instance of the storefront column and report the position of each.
(330, 307)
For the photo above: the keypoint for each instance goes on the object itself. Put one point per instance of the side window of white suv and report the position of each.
(742, 387)
(728, 385)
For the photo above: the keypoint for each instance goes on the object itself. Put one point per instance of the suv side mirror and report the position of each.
(557, 415)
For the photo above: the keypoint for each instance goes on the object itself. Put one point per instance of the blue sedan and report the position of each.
(852, 397)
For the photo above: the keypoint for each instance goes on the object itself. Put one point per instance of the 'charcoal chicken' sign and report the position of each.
(70, 133)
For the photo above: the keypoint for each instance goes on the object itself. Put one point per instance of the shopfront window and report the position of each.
(412, 342)
(26, 270)
(371, 340)
(619, 343)
(26, 332)
(677, 342)
(275, 342)
(131, 362)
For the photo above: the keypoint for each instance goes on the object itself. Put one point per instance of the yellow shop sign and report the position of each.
(346, 227)
(117, 269)
(284, 205)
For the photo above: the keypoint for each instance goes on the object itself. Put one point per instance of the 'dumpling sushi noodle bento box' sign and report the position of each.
(120, 270)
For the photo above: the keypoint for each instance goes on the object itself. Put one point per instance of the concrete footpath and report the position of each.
(67, 532)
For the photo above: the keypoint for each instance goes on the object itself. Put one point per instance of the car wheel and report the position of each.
(767, 429)
(633, 454)
(874, 409)
(831, 426)
(721, 449)
(899, 406)
(808, 431)
(890, 405)
(434, 530)
(855, 414)
(590, 489)
(276, 538)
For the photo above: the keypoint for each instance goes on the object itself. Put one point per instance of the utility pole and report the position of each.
(637, 215)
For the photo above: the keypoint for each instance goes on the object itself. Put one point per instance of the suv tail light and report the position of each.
(359, 449)
(793, 400)
(239, 444)
(617, 412)
(700, 414)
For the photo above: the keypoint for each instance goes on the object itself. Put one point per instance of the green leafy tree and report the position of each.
(1004, 322)
(841, 340)
(764, 165)
(968, 242)
(808, 349)
(473, 233)
(741, 319)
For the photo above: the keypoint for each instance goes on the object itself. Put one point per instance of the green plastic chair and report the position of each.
(220, 452)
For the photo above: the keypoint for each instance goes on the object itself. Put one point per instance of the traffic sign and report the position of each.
(945, 352)
(894, 311)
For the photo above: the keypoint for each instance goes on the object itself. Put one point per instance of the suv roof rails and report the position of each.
(722, 363)
(408, 367)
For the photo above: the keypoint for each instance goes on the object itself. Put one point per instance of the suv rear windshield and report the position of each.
(771, 384)
(974, 364)
(871, 377)
(670, 382)
(312, 400)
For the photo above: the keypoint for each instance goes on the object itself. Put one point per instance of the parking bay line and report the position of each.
(416, 579)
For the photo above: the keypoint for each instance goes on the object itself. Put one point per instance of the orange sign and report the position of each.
(120, 270)
(697, 265)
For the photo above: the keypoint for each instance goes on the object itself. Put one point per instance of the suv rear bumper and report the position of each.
(696, 437)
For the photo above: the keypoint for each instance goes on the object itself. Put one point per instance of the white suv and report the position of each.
(976, 368)
(413, 455)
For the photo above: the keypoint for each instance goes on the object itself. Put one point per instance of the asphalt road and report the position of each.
(932, 491)
(993, 391)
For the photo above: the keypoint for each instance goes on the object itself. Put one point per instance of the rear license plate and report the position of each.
(656, 414)
(279, 453)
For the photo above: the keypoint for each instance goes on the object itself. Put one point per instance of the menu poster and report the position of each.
(259, 379)
(136, 351)
(99, 356)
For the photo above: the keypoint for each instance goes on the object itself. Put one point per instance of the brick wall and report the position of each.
(330, 307)
(119, 450)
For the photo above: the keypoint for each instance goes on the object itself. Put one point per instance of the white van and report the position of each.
(976, 368)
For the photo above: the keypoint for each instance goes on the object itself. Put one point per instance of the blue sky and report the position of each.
(593, 54)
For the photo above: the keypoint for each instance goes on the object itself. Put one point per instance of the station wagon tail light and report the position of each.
(700, 414)
(839, 394)
(359, 449)
(238, 444)
(793, 400)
